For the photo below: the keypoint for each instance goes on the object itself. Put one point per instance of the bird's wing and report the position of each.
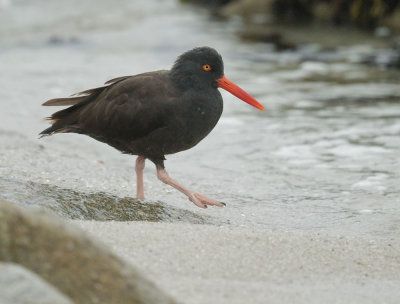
(127, 109)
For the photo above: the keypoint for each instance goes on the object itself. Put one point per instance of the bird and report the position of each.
(153, 114)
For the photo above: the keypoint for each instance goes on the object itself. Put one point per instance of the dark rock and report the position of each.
(392, 22)
(247, 9)
(292, 11)
(211, 3)
(261, 34)
(367, 14)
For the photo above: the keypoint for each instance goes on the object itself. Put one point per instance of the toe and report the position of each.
(197, 202)
(208, 201)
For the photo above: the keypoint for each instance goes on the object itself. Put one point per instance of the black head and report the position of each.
(200, 67)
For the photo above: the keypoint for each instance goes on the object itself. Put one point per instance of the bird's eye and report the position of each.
(207, 67)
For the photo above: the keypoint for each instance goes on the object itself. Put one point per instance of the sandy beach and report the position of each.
(210, 264)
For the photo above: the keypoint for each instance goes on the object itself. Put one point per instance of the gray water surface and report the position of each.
(322, 157)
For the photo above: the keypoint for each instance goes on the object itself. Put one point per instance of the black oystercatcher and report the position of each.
(153, 114)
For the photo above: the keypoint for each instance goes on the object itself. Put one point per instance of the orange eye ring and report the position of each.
(207, 67)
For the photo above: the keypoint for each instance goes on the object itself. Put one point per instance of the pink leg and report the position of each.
(140, 163)
(198, 199)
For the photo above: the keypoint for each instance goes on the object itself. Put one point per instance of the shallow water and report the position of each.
(322, 157)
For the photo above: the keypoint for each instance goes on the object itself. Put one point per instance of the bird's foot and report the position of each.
(202, 201)
(198, 199)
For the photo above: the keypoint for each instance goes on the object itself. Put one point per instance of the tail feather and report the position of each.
(64, 101)
(67, 120)
(51, 130)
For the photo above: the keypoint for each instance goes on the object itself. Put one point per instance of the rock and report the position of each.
(263, 34)
(352, 14)
(65, 257)
(323, 11)
(210, 3)
(270, 11)
(248, 9)
(392, 22)
(19, 286)
(98, 206)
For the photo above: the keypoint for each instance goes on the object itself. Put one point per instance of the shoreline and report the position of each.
(210, 264)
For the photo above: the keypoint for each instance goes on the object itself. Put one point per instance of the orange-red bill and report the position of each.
(232, 88)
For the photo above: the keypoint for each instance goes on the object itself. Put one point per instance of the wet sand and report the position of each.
(210, 264)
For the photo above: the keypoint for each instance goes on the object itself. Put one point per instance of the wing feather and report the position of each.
(130, 107)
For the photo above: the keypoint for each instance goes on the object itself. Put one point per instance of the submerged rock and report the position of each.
(65, 257)
(97, 206)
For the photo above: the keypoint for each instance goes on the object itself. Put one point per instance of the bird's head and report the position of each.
(203, 68)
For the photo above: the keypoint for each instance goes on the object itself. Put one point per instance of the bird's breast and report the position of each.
(200, 117)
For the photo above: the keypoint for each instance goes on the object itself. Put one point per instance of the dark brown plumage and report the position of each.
(152, 114)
